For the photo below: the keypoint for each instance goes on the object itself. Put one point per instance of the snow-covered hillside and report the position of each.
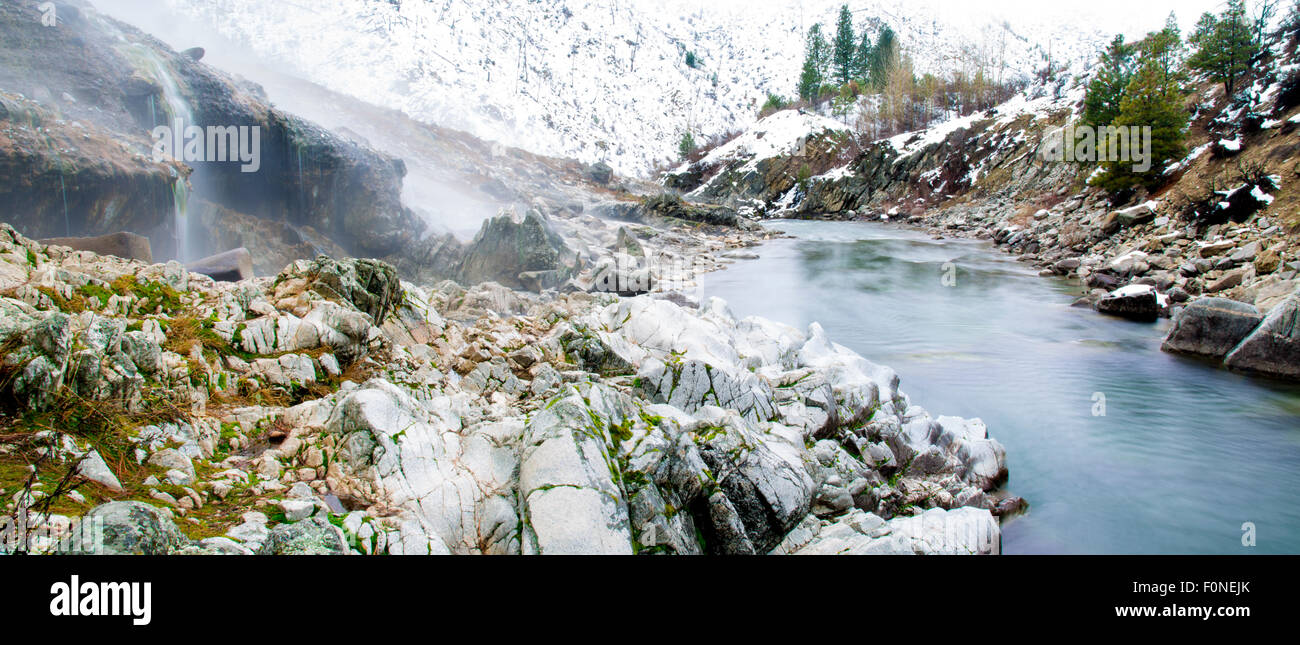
(606, 79)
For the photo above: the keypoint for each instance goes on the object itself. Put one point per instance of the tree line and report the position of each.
(852, 64)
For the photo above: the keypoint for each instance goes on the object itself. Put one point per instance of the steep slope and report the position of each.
(605, 80)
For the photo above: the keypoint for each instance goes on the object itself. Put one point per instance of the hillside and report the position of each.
(603, 81)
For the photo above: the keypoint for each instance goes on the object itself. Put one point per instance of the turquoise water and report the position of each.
(1181, 457)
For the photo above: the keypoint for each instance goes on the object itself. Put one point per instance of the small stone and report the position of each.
(297, 510)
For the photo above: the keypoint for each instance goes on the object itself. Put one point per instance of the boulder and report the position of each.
(313, 536)
(571, 501)
(232, 266)
(1267, 262)
(1137, 302)
(128, 528)
(599, 173)
(1211, 327)
(505, 249)
(371, 286)
(1273, 349)
(127, 246)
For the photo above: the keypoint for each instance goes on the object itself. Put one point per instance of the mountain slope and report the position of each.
(603, 80)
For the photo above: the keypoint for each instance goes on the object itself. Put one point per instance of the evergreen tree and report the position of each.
(815, 64)
(1154, 99)
(1224, 46)
(686, 147)
(883, 57)
(845, 46)
(1167, 48)
(1101, 105)
(862, 58)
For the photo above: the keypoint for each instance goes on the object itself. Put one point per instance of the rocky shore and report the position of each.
(1221, 227)
(337, 409)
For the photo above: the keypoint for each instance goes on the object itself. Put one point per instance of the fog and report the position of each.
(437, 193)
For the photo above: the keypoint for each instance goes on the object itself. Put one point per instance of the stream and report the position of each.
(1118, 447)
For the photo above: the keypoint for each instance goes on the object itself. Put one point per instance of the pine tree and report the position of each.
(845, 46)
(883, 57)
(1153, 98)
(1167, 47)
(1101, 105)
(815, 63)
(1224, 46)
(862, 58)
(686, 147)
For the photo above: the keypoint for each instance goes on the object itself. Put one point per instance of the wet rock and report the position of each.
(1211, 327)
(1273, 349)
(127, 246)
(1010, 506)
(232, 266)
(194, 53)
(1139, 302)
(1066, 266)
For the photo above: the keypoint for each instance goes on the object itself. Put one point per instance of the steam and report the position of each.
(437, 193)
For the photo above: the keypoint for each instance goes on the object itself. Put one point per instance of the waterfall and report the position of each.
(178, 113)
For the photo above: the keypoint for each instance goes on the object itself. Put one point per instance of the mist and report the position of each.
(436, 192)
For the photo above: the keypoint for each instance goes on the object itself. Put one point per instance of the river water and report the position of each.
(1118, 447)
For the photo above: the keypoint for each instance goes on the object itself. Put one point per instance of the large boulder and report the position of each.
(567, 484)
(313, 536)
(125, 528)
(232, 266)
(128, 246)
(1211, 327)
(1137, 302)
(369, 285)
(1273, 349)
(525, 254)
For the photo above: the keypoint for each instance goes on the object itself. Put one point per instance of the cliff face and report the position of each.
(82, 100)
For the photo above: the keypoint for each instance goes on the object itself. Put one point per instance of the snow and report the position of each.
(1231, 145)
(1261, 196)
(777, 135)
(1132, 290)
(606, 79)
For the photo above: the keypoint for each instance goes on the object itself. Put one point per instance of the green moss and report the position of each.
(152, 295)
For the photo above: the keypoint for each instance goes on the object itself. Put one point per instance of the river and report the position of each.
(1118, 447)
